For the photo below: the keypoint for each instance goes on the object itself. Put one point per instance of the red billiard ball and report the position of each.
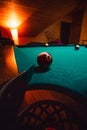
(44, 59)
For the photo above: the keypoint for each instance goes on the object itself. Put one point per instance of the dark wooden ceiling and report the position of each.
(35, 15)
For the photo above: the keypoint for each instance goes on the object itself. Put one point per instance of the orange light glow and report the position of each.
(10, 61)
(13, 21)
(13, 15)
(14, 33)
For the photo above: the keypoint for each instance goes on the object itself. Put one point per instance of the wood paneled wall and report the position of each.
(83, 36)
(77, 19)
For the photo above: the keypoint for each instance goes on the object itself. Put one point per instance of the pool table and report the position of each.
(68, 69)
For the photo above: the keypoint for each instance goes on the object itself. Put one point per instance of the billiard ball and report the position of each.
(44, 59)
(77, 46)
(46, 44)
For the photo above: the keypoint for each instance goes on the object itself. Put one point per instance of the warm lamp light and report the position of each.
(13, 24)
(13, 21)
(14, 33)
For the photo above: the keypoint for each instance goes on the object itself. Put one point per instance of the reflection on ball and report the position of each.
(77, 46)
(44, 59)
(46, 44)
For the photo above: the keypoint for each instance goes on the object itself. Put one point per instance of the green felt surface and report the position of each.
(68, 69)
